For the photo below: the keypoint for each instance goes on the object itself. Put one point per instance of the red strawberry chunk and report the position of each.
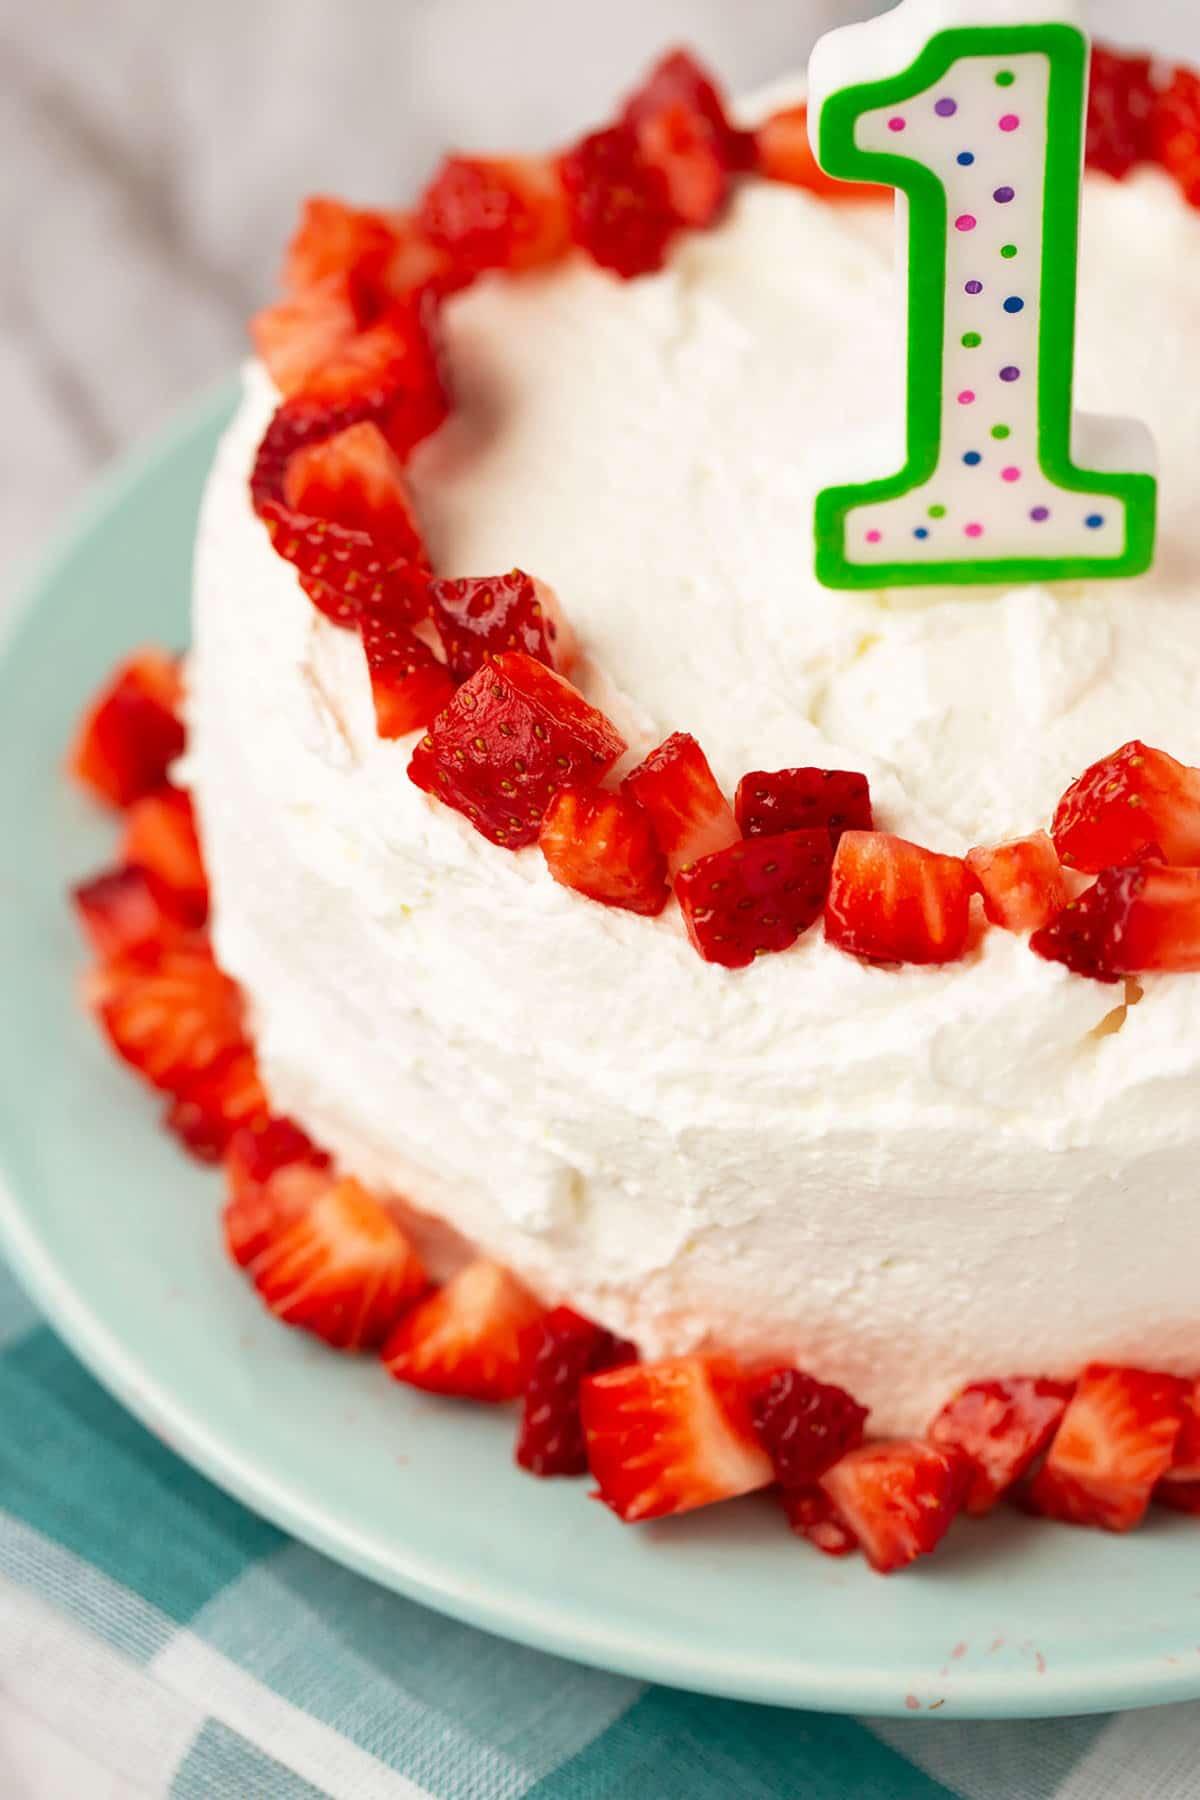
(1180, 1486)
(356, 479)
(1176, 132)
(1180, 1496)
(802, 800)
(295, 338)
(393, 370)
(569, 1349)
(325, 1256)
(679, 120)
(1116, 1441)
(334, 241)
(1130, 922)
(408, 684)
(510, 738)
(783, 152)
(160, 837)
(756, 897)
(999, 1428)
(804, 1425)
(1021, 881)
(1121, 108)
(1126, 802)
(225, 1099)
(812, 1515)
(124, 908)
(670, 1436)
(294, 426)
(899, 1499)
(690, 814)
(618, 204)
(261, 1148)
(496, 213)
(343, 571)
(892, 901)
(169, 1011)
(475, 1338)
(131, 733)
(602, 845)
(482, 616)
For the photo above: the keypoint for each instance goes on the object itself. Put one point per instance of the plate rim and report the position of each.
(1139, 1681)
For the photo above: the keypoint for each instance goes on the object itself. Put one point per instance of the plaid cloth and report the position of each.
(156, 1639)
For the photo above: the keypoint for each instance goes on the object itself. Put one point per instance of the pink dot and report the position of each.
(1010, 474)
(896, 124)
(874, 537)
(966, 398)
(1010, 122)
(973, 531)
(965, 222)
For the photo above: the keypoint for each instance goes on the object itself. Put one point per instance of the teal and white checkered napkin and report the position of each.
(157, 1639)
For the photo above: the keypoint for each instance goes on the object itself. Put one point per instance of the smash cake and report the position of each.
(749, 1023)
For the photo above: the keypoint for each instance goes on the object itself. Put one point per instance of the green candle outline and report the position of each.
(1066, 48)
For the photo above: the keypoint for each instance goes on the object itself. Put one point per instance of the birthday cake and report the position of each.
(670, 954)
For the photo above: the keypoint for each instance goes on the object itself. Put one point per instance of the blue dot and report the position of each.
(1094, 521)
(972, 459)
(1014, 304)
(966, 158)
(921, 532)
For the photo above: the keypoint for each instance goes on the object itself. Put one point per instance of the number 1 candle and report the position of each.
(974, 111)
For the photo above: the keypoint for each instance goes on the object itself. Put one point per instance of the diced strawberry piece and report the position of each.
(356, 479)
(602, 844)
(1116, 1441)
(1000, 1428)
(678, 118)
(131, 733)
(475, 1338)
(1121, 107)
(227, 1098)
(169, 1011)
(812, 1515)
(295, 425)
(1180, 1496)
(670, 1436)
(801, 800)
(496, 213)
(393, 369)
(262, 1148)
(784, 153)
(417, 270)
(124, 908)
(690, 814)
(343, 572)
(618, 204)
(408, 684)
(1180, 1486)
(804, 1425)
(899, 1499)
(1176, 132)
(1021, 881)
(295, 338)
(1123, 804)
(160, 837)
(510, 738)
(334, 241)
(569, 1348)
(892, 901)
(756, 897)
(482, 616)
(325, 1255)
(1130, 922)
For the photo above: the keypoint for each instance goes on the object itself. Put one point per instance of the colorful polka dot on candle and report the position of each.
(922, 531)
(946, 108)
(973, 530)
(897, 124)
(1005, 78)
(1008, 251)
(1010, 122)
(937, 512)
(1039, 514)
(967, 397)
(874, 537)
(1001, 431)
(965, 222)
(1011, 373)
(1003, 195)
(972, 459)
(973, 287)
(1014, 304)
(971, 340)
(965, 158)
(1010, 474)
(1094, 521)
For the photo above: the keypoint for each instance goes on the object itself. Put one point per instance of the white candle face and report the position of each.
(989, 159)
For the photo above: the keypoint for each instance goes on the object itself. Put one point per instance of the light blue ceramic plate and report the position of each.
(116, 1235)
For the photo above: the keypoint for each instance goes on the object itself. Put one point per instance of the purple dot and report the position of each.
(1010, 373)
(1004, 194)
(974, 287)
(1010, 122)
(967, 397)
(973, 531)
(1010, 474)
(896, 124)
(965, 222)
(946, 109)
(874, 537)
(1040, 514)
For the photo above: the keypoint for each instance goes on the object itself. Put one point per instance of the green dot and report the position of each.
(971, 340)
(1005, 78)
(1009, 250)
(1001, 431)
(937, 512)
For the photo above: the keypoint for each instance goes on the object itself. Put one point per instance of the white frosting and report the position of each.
(903, 1178)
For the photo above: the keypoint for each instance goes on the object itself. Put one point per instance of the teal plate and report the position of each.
(116, 1236)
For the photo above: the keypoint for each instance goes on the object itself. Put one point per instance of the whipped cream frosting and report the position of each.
(902, 1178)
